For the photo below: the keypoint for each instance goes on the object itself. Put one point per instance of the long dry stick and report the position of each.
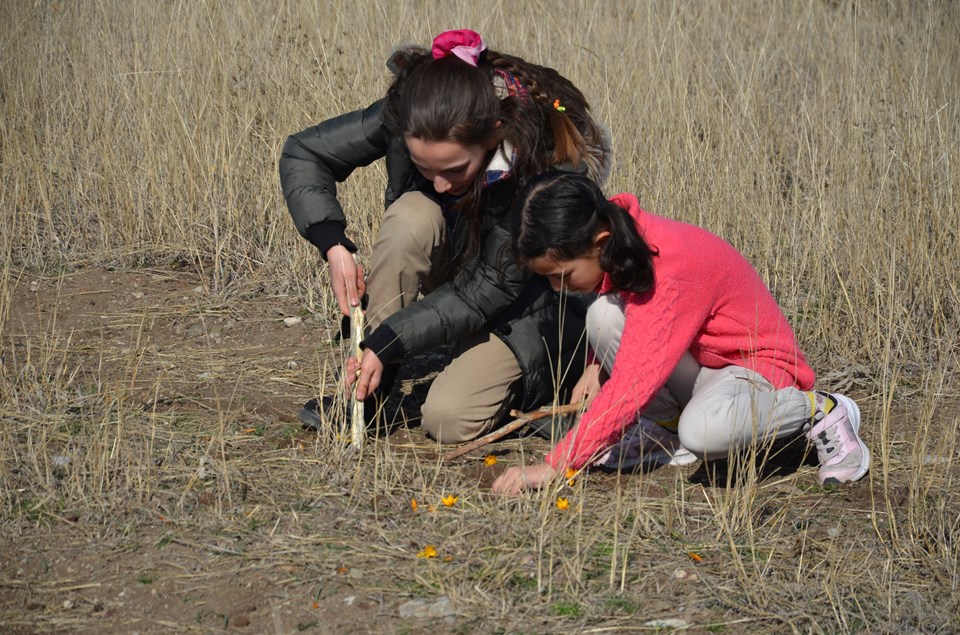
(358, 427)
(522, 418)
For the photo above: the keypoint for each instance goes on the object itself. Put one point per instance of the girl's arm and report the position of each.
(588, 385)
(659, 328)
(518, 478)
(656, 335)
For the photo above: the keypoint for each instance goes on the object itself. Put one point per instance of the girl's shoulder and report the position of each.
(679, 245)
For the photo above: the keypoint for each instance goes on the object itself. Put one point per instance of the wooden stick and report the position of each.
(358, 426)
(522, 418)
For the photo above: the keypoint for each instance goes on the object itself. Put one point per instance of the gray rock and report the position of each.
(195, 330)
(421, 609)
(667, 623)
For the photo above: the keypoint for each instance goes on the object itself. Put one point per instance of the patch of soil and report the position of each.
(272, 539)
(172, 345)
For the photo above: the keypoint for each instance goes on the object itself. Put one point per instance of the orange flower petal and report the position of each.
(449, 500)
(563, 503)
(489, 460)
(428, 552)
(413, 504)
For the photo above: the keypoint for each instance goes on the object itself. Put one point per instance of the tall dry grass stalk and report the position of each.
(822, 138)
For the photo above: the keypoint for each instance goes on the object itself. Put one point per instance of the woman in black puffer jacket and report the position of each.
(462, 128)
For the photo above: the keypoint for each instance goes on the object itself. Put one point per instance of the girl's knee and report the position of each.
(704, 431)
(692, 440)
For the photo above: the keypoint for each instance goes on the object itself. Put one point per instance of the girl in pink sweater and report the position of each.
(698, 356)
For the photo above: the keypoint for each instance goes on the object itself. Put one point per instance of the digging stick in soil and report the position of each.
(358, 428)
(522, 418)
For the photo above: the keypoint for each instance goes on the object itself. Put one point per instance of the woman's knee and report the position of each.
(461, 406)
(414, 221)
(444, 419)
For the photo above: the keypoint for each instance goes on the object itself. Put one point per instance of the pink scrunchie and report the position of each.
(464, 43)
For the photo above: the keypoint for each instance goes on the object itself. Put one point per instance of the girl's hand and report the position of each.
(346, 277)
(588, 386)
(370, 372)
(517, 479)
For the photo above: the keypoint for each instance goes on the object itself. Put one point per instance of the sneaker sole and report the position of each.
(309, 419)
(682, 457)
(853, 412)
(657, 458)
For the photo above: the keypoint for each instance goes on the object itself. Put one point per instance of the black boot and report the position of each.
(333, 411)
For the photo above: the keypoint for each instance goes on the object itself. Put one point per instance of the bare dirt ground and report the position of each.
(168, 487)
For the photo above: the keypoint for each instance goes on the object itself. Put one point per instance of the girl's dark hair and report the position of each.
(449, 100)
(559, 214)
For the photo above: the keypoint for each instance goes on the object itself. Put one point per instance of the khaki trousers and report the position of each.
(476, 391)
(715, 411)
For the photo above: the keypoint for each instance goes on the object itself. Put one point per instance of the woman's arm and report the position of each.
(311, 165)
(315, 160)
(480, 291)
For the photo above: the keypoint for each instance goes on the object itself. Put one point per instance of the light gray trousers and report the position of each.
(715, 411)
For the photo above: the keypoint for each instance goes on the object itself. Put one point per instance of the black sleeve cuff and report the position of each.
(384, 343)
(327, 234)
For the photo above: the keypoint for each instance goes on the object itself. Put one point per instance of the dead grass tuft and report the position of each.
(152, 475)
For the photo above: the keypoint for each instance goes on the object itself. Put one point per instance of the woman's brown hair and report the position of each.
(546, 120)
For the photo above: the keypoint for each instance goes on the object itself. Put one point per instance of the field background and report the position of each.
(153, 477)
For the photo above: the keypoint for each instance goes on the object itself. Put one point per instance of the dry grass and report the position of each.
(140, 140)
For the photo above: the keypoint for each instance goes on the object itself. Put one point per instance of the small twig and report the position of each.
(522, 418)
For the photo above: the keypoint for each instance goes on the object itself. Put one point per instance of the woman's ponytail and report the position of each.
(568, 143)
(551, 125)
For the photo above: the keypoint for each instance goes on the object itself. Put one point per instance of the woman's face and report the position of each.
(451, 166)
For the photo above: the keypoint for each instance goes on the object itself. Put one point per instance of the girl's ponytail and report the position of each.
(625, 256)
(560, 214)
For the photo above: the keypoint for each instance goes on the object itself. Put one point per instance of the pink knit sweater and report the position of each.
(706, 298)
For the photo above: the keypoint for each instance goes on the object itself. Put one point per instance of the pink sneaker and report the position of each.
(843, 455)
(646, 443)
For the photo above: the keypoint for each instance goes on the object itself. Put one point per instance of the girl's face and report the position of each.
(581, 274)
(451, 166)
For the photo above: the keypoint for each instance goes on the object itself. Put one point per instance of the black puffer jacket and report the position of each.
(490, 290)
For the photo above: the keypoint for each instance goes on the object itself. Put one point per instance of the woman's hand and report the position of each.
(366, 373)
(517, 479)
(587, 386)
(346, 277)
